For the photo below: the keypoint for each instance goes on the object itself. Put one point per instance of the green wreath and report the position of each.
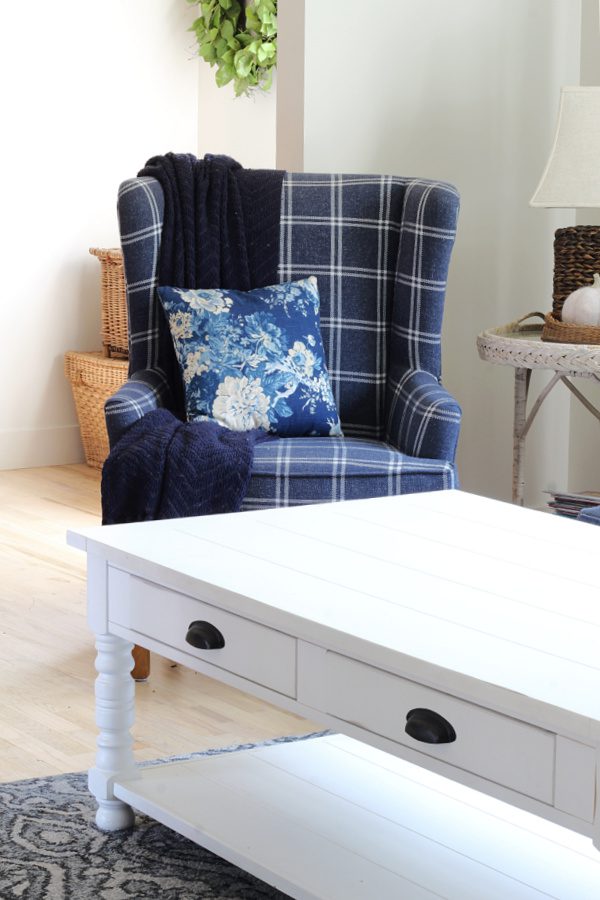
(240, 40)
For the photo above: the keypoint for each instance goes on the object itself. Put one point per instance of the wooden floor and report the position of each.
(47, 653)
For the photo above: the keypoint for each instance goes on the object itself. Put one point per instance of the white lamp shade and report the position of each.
(572, 174)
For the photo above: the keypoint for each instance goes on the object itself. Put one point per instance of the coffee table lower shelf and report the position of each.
(329, 817)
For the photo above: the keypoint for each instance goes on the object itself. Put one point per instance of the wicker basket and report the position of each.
(576, 259)
(94, 378)
(566, 333)
(113, 303)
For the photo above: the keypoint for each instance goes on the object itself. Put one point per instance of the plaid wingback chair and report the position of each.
(591, 515)
(380, 247)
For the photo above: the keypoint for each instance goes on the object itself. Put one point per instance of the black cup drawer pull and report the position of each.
(204, 636)
(429, 727)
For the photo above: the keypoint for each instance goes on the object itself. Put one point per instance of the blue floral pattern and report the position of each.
(255, 359)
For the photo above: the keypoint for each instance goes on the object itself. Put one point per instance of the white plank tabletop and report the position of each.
(509, 598)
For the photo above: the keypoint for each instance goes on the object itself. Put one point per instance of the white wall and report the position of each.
(467, 92)
(240, 127)
(90, 91)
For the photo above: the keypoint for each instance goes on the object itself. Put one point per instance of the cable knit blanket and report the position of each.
(163, 468)
(221, 229)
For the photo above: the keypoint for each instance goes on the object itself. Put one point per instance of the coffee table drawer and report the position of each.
(253, 651)
(496, 747)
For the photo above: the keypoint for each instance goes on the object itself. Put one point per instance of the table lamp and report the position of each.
(571, 179)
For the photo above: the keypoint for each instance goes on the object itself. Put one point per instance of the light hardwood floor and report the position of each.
(47, 653)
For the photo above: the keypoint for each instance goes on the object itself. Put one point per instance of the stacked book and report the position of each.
(566, 504)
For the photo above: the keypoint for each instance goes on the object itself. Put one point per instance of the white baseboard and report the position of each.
(28, 448)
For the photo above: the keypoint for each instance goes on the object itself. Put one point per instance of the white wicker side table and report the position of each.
(520, 345)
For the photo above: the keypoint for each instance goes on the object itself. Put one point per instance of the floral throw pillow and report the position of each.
(253, 359)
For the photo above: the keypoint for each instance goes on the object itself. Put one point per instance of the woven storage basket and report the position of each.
(113, 303)
(94, 378)
(576, 260)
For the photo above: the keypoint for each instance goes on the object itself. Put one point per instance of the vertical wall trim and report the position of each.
(583, 431)
(290, 85)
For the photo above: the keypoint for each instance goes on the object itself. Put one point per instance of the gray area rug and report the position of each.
(51, 849)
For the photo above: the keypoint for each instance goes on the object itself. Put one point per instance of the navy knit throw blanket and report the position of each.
(220, 230)
(163, 468)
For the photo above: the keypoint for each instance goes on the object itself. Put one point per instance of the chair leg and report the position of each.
(141, 663)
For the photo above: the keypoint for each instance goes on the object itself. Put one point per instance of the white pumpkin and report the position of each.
(582, 307)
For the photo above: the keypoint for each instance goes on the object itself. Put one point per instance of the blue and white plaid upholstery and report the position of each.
(591, 515)
(292, 471)
(380, 247)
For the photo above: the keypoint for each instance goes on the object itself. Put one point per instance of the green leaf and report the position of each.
(265, 52)
(207, 9)
(207, 52)
(267, 82)
(252, 20)
(246, 57)
(227, 29)
(269, 30)
(224, 75)
(198, 28)
(264, 14)
(243, 62)
(240, 87)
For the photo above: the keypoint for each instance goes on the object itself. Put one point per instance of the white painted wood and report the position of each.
(575, 790)
(369, 827)
(311, 665)
(527, 581)
(257, 653)
(596, 825)
(487, 613)
(115, 694)
(76, 540)
(423, 807)
(185, 556)
(97, 593)
(444, 595)
(496, 747)
(461, 776)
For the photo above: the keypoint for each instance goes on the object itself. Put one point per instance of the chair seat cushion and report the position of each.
(291, 471)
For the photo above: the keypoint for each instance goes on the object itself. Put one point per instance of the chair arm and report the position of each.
(423, 419)
(591, 515)
(145, 390)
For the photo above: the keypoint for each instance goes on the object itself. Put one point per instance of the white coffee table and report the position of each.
(395, 622)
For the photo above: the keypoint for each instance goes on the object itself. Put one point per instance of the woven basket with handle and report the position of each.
(94, 378)
(113, 303)
(576, 260)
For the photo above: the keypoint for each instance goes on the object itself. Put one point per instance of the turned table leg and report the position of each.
(115, 713)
